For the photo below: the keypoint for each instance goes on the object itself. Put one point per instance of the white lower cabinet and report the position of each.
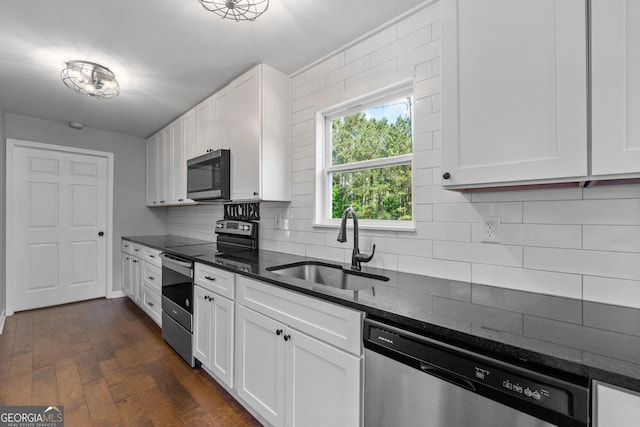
(290, 377)
(615, 407)
(125, 263)
(142, 278)
(213, 325)
(213, 333)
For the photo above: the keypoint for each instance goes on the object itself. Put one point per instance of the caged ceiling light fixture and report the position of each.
(239, 10)
(89, 78)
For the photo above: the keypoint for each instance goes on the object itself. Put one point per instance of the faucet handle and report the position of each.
(366, 258)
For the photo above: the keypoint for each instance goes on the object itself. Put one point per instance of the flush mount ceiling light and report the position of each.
(89, 78)
(239, 10)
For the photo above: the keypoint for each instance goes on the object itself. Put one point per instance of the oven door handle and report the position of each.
(183, 267)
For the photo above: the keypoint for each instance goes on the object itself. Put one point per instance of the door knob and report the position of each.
(100, 233)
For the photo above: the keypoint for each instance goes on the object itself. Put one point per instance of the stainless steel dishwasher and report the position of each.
(411, 380)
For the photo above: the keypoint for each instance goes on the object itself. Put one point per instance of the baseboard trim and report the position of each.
(116, 294)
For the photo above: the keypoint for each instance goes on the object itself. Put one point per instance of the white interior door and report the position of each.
(58, 224)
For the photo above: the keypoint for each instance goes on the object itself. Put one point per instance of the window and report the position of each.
(365, 154)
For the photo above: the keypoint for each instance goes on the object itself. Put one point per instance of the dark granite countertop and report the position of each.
(553, 334)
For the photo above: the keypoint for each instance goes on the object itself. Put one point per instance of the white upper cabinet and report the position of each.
(615, 62)
(260, 135)
(204, 127)
(189, 133)
(250, 117)
(514, 92)
(222, 109)
(154, 144)
(167, 163)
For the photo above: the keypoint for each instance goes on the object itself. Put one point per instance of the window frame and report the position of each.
(324, 169)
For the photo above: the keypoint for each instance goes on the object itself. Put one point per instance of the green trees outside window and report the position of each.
(381, 192)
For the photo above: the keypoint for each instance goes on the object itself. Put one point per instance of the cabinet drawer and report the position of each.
(152, 277)
(215, 280)
(152, 256)
(152, 305)
(136, 249)
(126, 246)
(331, 323)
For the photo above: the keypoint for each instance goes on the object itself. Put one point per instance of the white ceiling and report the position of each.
(167, 54)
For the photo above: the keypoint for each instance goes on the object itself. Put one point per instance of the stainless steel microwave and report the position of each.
(208, 176)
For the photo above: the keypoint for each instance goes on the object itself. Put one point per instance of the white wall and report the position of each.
(130, 215)
(580, 243)
(3, 285)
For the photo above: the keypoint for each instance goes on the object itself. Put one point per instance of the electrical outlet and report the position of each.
(278, 222)
(490, 229)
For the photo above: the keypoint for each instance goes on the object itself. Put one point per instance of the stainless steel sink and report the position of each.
(333, 275)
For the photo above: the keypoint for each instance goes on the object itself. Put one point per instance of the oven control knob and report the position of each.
(219, 226)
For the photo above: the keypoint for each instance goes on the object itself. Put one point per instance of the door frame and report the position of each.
(12, 144)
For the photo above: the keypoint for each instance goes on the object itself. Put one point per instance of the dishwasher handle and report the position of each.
(447, 376)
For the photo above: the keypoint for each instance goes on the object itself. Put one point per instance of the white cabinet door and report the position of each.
(221, 327)
(222, 105)
(153, 165)
(201, 324)
(615, 80)
(245, 156)
(165, 177)
(214, 333)
(260, 364)
(615, 407)
(136, 280)
(322, 383)
(204, 127)
(177, 164)
(189, 133)
(514, 91)
(125, 271)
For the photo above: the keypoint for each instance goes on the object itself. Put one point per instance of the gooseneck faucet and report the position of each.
(356, 257)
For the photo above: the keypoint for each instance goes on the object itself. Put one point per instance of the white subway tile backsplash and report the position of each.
(422, 142)
(550, 236)
(428, 123)
(446, 269)
(308, 88)
(618, 265)
(612, 291)
(545, 282)
(447, 231)
(427, 87)
(620, 212)
(323, 252)
(319, 70)
(627, 191)
(422, 177)
(474, 212)
(389, 245)
(426, 159)
(419, 19)
(423, 213)
(528, 195)
(401, 46)
(436, 194)
(371, 44)
(484, 253)
(617, 238)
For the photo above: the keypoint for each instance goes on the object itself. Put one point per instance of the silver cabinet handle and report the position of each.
(150, 303)
(213, 279)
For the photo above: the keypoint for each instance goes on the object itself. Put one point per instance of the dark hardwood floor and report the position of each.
(106, 363)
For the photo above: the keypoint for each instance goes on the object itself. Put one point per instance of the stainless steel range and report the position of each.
(233, 237)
